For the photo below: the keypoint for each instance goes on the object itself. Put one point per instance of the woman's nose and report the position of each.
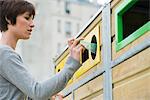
(32, 24)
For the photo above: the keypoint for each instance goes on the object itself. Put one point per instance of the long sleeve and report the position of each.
(14, 70)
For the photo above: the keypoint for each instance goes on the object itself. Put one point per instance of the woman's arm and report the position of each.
(14, 70)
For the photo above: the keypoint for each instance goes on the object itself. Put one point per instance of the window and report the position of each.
(58, 26)
(132, 21)
(67, 7)
(68, 29)
(58, 1)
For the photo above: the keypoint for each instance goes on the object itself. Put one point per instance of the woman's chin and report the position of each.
(26, 38)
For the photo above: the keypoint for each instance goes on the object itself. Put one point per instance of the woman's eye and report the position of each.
(27, 18)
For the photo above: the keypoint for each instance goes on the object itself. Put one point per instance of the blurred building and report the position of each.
(55, 22)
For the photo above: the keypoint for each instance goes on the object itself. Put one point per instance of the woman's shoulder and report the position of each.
(8, 54)
(6, 51)
(5, 48)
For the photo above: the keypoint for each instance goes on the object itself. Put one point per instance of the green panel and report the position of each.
(120, 29)
(120, 42)
(145, 28)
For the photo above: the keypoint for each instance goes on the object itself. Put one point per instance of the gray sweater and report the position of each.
(16, 82)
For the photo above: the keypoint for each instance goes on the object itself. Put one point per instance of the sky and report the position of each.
(101, 1)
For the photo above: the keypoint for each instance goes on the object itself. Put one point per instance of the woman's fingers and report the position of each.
(80, 48)
(75, 48)
(70, 41)
(57, 96)
(76, 41)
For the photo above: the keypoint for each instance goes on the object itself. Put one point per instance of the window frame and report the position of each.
(120, 42)
(59, 26)
(68, 29)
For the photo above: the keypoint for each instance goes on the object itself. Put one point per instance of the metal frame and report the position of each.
(133, 51)
(105, 68)
(106, 52)
(106, 71)
(120, 42)
(83, 81)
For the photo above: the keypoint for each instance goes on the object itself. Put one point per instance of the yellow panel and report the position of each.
(89, 63)
(60, 66)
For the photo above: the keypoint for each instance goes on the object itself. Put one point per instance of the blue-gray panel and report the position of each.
(106, 52)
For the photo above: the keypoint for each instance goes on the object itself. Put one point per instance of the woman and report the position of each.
(16, 22)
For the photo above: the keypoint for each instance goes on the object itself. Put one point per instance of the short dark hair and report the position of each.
(10, 9)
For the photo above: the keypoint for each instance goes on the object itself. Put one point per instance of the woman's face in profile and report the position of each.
(23, 27)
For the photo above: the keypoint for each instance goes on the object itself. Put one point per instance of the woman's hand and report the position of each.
(57, 97)
(75, 48)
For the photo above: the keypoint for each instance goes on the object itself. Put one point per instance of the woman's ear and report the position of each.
(7, 20)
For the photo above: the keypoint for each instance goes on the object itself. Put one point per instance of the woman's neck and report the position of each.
(8, 39)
